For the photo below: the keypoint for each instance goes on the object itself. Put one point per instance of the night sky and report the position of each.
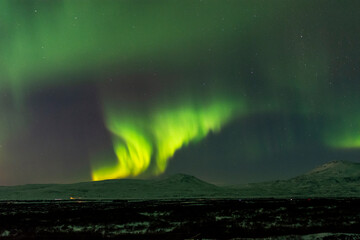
(229, 91)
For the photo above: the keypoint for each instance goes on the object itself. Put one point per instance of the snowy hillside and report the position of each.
(336, 169)
(333, 179)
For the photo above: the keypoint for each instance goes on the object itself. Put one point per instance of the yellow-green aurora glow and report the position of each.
(229, 91)
(343, 133)
(158, 136)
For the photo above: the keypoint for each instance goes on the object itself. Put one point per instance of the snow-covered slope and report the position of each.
(336, 169)
(333, 179)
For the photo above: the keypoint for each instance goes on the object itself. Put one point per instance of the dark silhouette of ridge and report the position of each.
(332, 179)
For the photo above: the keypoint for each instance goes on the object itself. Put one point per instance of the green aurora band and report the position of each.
(159, 135)
(343, 133)
(281, 57)
(69, 37)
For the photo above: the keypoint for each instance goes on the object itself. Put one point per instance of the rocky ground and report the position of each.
(182, 219)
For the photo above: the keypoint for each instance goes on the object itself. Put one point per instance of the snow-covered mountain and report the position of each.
(336, 169)
(333, 179)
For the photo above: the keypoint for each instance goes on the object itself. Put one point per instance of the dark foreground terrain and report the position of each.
(182, 219)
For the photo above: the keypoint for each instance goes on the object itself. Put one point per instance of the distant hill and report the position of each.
(333, 179)
(336, 169)
(176, 186)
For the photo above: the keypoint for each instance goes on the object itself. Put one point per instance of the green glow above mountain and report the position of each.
(157, 137)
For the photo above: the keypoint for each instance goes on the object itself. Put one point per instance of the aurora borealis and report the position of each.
(169, 130)
(229, 91)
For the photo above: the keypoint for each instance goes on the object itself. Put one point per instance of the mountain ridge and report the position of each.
(332, 179)
(337, 167)
(175, 186)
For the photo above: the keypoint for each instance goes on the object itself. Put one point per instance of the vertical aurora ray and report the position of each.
(132, 148)
(146, 144)
(41, 38)
(175, 128)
